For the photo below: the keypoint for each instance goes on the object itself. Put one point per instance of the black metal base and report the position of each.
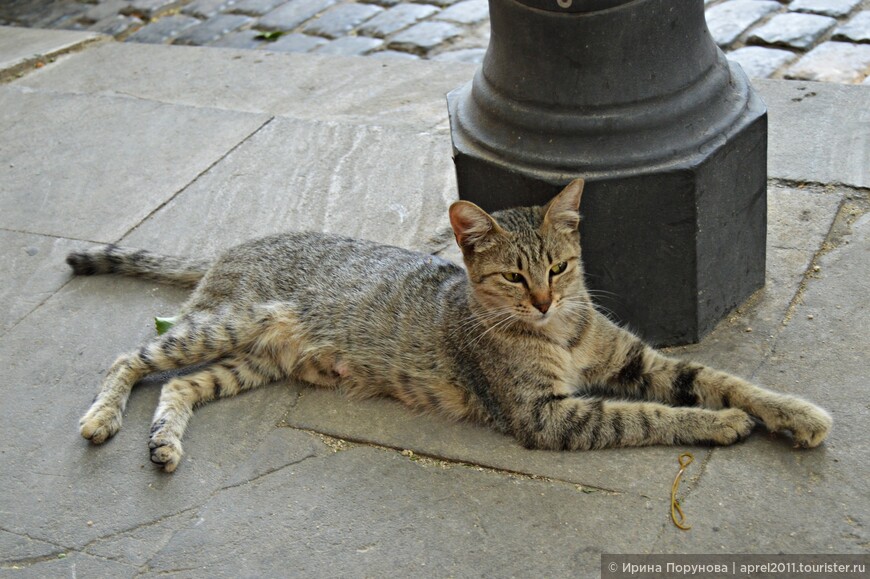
(673, 149)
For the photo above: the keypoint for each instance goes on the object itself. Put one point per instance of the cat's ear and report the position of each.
(562, 213)
(473, 227)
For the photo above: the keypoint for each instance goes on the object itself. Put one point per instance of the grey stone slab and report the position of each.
(394, 93)
(73, 564)
(21, 48)
(296, 42)
(793, 30)
(60, 489)
(835, 8)
(855, 30)
(340, 20)
(728, 20)
(468, 55)
(15, 550)
(798, 221)
(818, 132)
(394, 55)
(396, 18)
(762, 493)
(841, 62)
(424, 36)
(292, 14)
(374, 513)
(29, 272)
(62, 171)
(212, 29)
(303, 175)
(164, 30)
(350, 46)
(465, 12)
(761, 62)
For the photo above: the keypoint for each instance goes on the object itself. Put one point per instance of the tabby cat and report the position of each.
(515, 343)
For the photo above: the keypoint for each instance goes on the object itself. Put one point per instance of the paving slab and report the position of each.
(764, 494)
(70, 493)
(818, 132)
(367, 512)
(320, 176)
(29, 272)
(798, 220)
(384, 92)
(21, 48)
(61, 171)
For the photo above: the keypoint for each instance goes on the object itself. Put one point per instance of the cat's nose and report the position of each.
(542, 306)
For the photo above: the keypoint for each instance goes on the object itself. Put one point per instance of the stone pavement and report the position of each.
(187, 149)
(823, 40)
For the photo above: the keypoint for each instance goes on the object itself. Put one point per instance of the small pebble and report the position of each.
(809, 316)
(816, 268)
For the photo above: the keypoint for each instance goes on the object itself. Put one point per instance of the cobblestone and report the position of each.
(163, 30)
(350, 46)
(727, 21)
(833, 62)
(212, 29)
(147, 9)
(104, 10)
(293, 14)
(425, 36)
(833, 8)
(855, 30)
(793, 30)
(814, 33)
(396, 18)
(207, 8)
(295, 43)
(255, 7)
(340, 20)
(118, 25)
(239, 39)
(466, 12)
(760, 62)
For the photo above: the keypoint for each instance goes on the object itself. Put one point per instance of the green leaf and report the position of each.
(271, 35)
(163, 324)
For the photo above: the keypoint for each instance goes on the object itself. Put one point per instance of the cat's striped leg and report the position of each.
(556, 422)
(180, 395)
(638, 371)
(195, 338)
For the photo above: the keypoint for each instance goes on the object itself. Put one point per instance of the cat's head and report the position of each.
(524, 262)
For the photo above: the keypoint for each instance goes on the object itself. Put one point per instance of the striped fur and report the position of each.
(513, 342)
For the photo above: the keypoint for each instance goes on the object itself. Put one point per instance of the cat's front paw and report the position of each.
(165, 451)
(810, 426)
(730, 426)
(808, 423)
(100, 423)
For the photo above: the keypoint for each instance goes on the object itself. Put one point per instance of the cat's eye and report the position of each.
(558, 268)
(512, 277)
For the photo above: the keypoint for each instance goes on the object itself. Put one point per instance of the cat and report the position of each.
(513, 342)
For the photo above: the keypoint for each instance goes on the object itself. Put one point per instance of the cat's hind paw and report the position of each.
(100, 423)
(165, 451)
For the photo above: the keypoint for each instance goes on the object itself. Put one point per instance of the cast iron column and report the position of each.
(637, 98)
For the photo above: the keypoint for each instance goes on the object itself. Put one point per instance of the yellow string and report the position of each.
(685, 460)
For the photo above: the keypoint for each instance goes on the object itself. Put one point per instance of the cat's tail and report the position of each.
(181, 271)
